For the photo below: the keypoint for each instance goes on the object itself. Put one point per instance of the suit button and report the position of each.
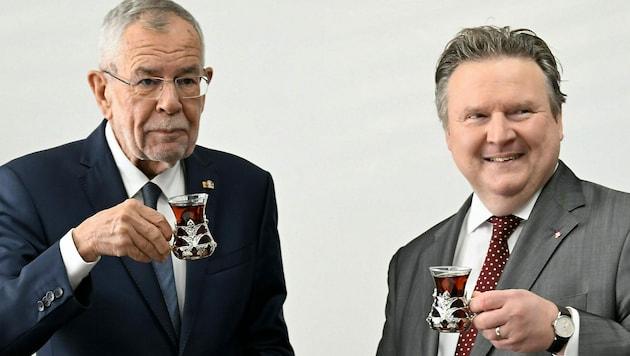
(58, 292)
(49, 297)
(40, 306)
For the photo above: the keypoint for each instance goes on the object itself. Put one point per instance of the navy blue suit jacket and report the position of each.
(234, 299)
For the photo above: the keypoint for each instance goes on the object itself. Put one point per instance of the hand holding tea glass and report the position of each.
(192, 239)
(450, 312)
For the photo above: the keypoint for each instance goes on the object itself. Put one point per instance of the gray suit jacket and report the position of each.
(587, 268)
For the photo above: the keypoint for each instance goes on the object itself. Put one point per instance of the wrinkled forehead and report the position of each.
(173, 45)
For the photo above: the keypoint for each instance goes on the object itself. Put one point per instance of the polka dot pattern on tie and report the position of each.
(496, 258)
(498, 252)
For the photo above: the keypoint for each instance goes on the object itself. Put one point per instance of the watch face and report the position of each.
(564, 326)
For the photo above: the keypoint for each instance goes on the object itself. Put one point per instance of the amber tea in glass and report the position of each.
(191, 236)
(449, 311)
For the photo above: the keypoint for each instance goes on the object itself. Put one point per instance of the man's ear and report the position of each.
(447, 135)
(209, 72)
(559, 122)
(98, 82)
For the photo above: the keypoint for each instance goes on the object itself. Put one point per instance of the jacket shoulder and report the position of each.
(43, 159)
(419, 243)
(225, 161)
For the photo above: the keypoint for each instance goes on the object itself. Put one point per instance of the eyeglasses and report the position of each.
(152, 87)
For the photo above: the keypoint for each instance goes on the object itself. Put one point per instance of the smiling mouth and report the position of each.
(503, 159)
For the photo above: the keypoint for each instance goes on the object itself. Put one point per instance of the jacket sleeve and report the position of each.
(603, 336)
(387, 345)
(268, 333)
(34, 289)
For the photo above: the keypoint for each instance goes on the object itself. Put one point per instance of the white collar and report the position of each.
(133, 178)
(478, 213)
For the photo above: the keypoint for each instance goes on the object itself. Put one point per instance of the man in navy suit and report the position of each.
(76, 240)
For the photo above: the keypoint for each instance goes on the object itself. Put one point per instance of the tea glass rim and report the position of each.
(451, 269)
(190, 198)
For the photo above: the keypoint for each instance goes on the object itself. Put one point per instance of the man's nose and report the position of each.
(169, 100)
(499, 129)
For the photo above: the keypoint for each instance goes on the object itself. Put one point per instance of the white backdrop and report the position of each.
(335, 99)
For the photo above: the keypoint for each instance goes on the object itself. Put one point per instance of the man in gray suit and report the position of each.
(566, 286)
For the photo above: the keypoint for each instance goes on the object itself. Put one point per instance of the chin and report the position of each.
(170, 156)
(507, 190)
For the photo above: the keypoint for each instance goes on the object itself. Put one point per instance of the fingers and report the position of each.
(155, 220)
(516, 320)
(497, 333)
(491, 310)
(128, 229)
(142, 241)
(490, 300)
(489, 320)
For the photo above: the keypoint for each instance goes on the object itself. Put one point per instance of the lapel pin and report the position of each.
(208, 184)
(557, 235)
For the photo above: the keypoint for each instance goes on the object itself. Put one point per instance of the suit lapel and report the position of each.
(104, 188)
(549, 224)
(535, 247)
(446, 237)
(200, 177)
(441, 251)
(101, 182)
(145, 280)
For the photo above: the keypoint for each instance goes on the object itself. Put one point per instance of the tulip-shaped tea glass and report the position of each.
(450, 312)
(191, 236)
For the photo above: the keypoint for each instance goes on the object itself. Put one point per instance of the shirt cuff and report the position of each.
(573, 345)
(76, 267)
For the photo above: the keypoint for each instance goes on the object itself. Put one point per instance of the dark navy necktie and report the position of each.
(164, 271)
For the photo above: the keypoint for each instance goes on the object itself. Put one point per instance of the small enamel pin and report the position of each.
(557, 235)
(207, 184)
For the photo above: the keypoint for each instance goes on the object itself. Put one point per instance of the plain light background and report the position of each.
(335, 99)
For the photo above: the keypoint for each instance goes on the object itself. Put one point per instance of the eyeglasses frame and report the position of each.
(164, 81)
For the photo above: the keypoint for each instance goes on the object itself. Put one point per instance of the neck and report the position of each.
(152, 168)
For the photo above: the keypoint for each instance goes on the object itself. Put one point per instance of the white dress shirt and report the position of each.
(170, 181)
(471, 249)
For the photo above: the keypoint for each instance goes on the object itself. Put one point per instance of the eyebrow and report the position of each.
(522, 104)
(145, 71)
(506, 107)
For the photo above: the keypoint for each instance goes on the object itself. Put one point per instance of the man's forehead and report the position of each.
(150, 52)
(175, 35)
(137, 35)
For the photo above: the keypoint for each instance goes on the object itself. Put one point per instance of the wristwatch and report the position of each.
(563, 329)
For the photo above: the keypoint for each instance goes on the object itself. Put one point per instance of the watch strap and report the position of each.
(559, 342)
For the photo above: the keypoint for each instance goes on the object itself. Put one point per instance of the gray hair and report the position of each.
(154, 16)
(486, 42)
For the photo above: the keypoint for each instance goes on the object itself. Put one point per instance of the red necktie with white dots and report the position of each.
(496, 258)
